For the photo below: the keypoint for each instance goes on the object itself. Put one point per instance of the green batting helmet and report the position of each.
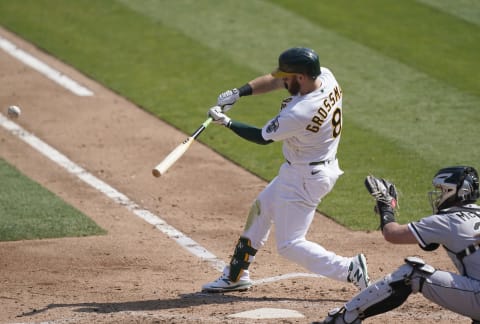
(300, 60)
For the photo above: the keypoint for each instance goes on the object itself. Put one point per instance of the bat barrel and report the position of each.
(171, 158)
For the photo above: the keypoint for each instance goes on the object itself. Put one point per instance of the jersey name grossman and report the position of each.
(324, 110)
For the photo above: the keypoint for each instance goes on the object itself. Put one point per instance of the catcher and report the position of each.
(455, 224)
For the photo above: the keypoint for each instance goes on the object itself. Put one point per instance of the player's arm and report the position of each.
(265, 83)
(262, 84)
(396, 233)
(248, 132)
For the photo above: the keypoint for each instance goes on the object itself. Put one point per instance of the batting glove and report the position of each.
(219, 117)
(227, 99)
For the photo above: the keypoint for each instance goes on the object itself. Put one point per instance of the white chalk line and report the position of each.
(181, 239)
(44, 69)
(119, 198)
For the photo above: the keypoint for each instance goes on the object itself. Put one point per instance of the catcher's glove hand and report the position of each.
(385, 194)
(382, 190)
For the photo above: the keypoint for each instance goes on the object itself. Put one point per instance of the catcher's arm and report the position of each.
(396, 233)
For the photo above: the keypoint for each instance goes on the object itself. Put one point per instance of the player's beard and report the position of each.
(294, 88)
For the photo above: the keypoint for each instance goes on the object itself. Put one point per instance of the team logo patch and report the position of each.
(273, 126)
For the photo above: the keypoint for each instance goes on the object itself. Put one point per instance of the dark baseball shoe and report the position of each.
(336, 316)
(358, 273)
(224, 284)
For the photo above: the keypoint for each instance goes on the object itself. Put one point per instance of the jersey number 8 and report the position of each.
(336, 123)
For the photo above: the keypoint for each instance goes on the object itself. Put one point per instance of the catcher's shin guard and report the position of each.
(380, 297)
(241, 259)
(387, 293)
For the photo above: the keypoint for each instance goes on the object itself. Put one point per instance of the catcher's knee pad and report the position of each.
(420, 265)
(421, 271)
(241, 259)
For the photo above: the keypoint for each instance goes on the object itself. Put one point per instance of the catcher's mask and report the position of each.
(453, 186)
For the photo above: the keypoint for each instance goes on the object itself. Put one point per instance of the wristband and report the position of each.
(245, 90)
(387, 214)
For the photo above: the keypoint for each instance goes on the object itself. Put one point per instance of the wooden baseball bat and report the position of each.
(177, 153)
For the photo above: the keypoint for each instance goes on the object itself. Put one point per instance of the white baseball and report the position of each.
(14, 111)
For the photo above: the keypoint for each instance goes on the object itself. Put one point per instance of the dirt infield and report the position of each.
(135, 273)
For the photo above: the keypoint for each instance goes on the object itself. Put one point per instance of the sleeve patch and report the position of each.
(273, 126)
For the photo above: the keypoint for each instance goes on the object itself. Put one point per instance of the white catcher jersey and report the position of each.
(309, 125)
(455, 228)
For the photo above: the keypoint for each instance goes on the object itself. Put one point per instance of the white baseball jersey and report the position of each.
(310, 125)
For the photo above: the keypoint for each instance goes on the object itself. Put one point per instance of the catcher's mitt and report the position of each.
(385, 195)
(382, 190)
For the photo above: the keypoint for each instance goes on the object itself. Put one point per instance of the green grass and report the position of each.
(29, 211)
(468, 10)
(408, 70)
(430, 41)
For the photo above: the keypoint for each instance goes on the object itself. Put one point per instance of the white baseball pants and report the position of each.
(290, 201)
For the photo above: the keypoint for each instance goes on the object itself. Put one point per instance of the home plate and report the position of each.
(268, 313)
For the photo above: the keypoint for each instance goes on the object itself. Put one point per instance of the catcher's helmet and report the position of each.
(457, 185)
(298, 60)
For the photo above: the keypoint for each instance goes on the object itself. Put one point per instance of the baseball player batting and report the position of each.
(455, 224)
(310, 125)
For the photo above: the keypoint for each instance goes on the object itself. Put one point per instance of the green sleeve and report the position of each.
(250, 133)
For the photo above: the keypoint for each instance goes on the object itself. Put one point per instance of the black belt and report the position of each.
(316, 163)
(320, 162)
(469, 250)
